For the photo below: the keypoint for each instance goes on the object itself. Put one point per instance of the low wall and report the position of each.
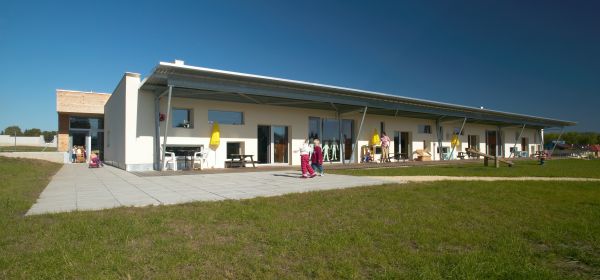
(59, 157)
(36, 141)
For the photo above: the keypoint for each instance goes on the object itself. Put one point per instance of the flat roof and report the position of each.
(206, 83)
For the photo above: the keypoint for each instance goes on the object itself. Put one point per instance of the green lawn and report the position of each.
(26, 149)
(472, 230)
(552, 168)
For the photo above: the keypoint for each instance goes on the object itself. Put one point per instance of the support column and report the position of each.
(499, 144)
(341, 144)
(157, 157)
(439, 138)
(557, 139)
(459, 134)
(518, 138)
(352, 157)
(164, 145)
(541, 149)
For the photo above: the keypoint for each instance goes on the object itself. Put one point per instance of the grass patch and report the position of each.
(552, 168)
(475, 230)
(26, 149)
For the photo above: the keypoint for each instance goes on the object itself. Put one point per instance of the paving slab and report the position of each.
(78, 188)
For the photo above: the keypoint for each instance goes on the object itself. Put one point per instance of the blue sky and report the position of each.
(540, 57)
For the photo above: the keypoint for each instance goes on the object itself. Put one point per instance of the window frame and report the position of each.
(424, 130)
(190, 117)
(242, 115)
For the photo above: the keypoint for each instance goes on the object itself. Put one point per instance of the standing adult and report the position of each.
(385, 147)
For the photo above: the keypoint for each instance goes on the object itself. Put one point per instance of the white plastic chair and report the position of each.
(170, 158)
(199, 157)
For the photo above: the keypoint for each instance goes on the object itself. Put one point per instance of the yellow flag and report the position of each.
(375, 139)
(215, 136)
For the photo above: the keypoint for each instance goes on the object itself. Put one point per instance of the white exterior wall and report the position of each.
(37, 141)
(130, 118)
(295, 119)
(120, 122)
(510, 134)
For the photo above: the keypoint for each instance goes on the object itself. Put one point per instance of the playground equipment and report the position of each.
(486, 158)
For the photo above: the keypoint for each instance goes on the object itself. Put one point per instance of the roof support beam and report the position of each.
(353, 156)
(334, 107)
(299, 102)
(556, 142)
(164, 145)
(250, 98)
(438, 133)
(157, 133)
(459, 133)
(514, 152)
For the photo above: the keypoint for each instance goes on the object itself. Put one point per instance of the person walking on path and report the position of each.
(307, 170)
(316, 158)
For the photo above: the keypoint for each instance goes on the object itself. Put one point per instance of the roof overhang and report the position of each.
(204, 83)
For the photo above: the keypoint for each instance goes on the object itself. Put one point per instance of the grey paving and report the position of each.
(76, 187)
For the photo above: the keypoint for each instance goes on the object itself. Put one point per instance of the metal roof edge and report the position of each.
(366, 93)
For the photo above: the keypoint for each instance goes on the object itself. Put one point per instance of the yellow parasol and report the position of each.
(375, 139)
(215, 136)
(455, 141)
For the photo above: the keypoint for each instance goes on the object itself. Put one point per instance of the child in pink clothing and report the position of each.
(304, 161)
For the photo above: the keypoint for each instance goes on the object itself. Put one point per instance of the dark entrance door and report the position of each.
(491, 140)
(404, 147)
(264, 144)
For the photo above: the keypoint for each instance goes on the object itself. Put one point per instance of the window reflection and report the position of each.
(182, 118)
(226, 117)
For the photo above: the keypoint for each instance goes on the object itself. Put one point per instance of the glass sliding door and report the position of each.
(280, 144)
(331, 140)
(348, 137)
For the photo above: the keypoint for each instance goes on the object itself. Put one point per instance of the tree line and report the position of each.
(16, 130)
(576, 138)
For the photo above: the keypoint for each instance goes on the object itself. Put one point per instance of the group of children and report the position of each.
(311, 159)
(78, 154)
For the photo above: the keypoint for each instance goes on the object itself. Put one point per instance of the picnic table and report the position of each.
(461, 155)
(398, 157)
(188, 156)
(241, 158)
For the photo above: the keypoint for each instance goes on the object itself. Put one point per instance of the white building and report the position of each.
(270, 118)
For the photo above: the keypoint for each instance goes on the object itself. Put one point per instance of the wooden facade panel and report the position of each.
(63, 132)
(81, 102)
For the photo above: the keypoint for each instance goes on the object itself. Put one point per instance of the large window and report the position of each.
(425, 129)
(234, 148)
(328, 131)
(348, 135)
(182, 118)
(86, 123)
(226, 117)
(314, 128)
(330, 141)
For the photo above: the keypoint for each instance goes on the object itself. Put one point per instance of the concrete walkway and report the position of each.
(406, 179)
(76, 187)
